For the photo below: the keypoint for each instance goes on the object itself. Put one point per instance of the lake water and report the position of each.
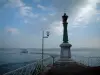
(11, 58)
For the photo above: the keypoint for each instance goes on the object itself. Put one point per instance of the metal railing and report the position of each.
(34, 68)
(88, 61)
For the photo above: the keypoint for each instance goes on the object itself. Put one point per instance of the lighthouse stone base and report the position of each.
(65, 51)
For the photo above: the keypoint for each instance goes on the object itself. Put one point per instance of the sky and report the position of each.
(22, 23)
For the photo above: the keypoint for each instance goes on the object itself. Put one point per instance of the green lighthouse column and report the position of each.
(65, 34)
(65, 46)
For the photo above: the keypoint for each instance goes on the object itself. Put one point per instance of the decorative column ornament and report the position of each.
(65, 46)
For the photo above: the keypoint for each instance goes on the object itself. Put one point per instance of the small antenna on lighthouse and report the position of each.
(64, 10)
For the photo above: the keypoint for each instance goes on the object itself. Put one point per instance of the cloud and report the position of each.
(25, 11)
(91, 42)
(46, 8)
(77, 10)
(41, 7)
(44, 19)
(56, 27)
(22, 41)
(51, 14)
(83, 16)
(12, 30)
(15, 3)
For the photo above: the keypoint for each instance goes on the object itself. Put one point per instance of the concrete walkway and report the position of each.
(70, 67)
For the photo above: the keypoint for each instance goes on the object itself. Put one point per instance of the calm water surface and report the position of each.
(10, 57)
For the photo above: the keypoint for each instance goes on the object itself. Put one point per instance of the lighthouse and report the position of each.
(65, 46)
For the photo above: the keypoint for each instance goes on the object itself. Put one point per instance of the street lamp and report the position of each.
(43, 37)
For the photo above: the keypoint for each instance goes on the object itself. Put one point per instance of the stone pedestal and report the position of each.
(65, 50)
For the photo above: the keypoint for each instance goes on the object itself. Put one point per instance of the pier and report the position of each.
(63, 64)
(70, 67)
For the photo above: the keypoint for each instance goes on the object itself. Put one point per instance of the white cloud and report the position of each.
(12, 30)
(80, 11)
(25, 11)
(81, 25)
(51, 14)
(15, 3)
(85, 12)
(57, 27)
(83, 15)
(87, 43)
(41, 7)
(44, 19)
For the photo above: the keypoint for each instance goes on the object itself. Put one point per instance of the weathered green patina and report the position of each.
(65, 32)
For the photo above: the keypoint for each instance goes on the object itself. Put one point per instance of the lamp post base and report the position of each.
(65, 50)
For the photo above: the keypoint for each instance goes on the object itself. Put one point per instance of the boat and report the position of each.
(24, 51)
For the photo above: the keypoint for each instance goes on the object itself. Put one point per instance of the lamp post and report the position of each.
(43, 37)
